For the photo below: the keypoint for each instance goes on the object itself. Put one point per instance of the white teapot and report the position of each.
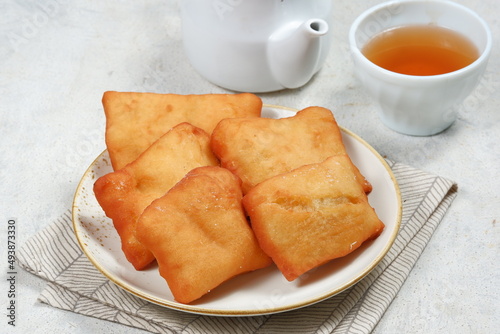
(256, 45)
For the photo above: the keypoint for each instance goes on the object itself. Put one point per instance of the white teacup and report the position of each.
(419, 105)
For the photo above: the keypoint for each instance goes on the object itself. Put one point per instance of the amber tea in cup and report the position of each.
(441, 54)
(421, 50)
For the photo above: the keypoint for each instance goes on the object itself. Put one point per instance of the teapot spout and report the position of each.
(294, 51)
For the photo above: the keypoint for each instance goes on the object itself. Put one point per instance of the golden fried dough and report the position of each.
(135, 120)
(311, 215)
(199, 234)
(256, 149)
(125, 193)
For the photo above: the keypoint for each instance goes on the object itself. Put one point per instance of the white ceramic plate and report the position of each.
(263, 291)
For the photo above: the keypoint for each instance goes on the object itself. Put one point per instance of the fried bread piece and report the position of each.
(199, 234)
(124, 194)
(256, 149)
(311, 215)
(135, 120)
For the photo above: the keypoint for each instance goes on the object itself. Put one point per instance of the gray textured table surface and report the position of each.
(57, 57)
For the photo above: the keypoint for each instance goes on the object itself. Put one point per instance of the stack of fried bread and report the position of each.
(210, 189)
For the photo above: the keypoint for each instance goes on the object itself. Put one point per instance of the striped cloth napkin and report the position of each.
(75, 285)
